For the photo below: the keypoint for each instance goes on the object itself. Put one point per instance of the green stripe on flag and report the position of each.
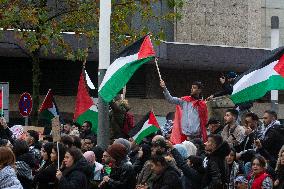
(120, 78)
(144, 133)
(275, 82)
(91, 116)
(46, 115)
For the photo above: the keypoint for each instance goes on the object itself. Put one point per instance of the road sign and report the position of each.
(25, 104)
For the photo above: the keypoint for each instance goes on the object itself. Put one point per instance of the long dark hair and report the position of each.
(75, 153)
(48, 149)
(62, 151)
(20, 147)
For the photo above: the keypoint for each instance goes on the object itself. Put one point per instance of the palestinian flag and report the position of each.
(266, 76)
(48, 109)
(122, 69)
(1, 102)
(85, 108)
(145, 127)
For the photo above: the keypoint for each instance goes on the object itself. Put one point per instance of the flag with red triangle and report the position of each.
(48, 109)
(146, 126)
(261, 78)
(85, 108)
(124, 66)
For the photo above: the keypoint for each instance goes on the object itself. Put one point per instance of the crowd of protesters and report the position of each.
(235, 155)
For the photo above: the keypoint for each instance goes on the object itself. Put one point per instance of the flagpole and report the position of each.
(104, 62)
(274, 45)
(156, 62)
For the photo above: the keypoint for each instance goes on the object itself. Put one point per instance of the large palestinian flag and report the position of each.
(122, 69)
(146, 126)
(48, 109)
(85, 108)
(266, 76)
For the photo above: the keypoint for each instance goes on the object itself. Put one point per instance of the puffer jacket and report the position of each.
(8, 179)
(121, 177)
(216, 169)
(77, 176)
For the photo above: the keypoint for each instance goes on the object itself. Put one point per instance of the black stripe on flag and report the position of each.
(131, 49)
(273, 56)
(139, 125)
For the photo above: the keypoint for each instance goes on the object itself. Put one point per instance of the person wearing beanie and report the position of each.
(124, 142)
(118, 152)
(122, 175)
(97, 167)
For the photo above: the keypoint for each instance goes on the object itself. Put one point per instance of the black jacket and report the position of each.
(273, 140)
(6, 133)
(280, 177)
(227, 89)
(25, 164)
(216, 169)
(169, 179)
(77, 176)
(247, 143)
(193, 177)
(45, 178)
(121, 177)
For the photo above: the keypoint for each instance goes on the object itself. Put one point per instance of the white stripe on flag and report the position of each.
(116, 65)
(255, 77)
(89, 82)
(145, 126)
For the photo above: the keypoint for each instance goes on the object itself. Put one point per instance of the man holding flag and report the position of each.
(191, 114)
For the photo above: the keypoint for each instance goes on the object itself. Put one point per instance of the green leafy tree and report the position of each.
(38, 27)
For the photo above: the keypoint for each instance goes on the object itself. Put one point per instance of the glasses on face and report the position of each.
(265, 118)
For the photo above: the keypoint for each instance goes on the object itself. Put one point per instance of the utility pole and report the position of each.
(274, 45)
(104, 62)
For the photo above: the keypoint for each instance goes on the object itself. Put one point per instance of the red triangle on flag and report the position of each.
(279, 67)
(83, 100)
(146, 48)
(47, 102)
(153, 121)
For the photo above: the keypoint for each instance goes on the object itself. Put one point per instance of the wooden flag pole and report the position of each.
(156, 62)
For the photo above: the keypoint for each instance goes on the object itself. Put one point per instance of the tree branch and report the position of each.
(64, 12)
(123, 4)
